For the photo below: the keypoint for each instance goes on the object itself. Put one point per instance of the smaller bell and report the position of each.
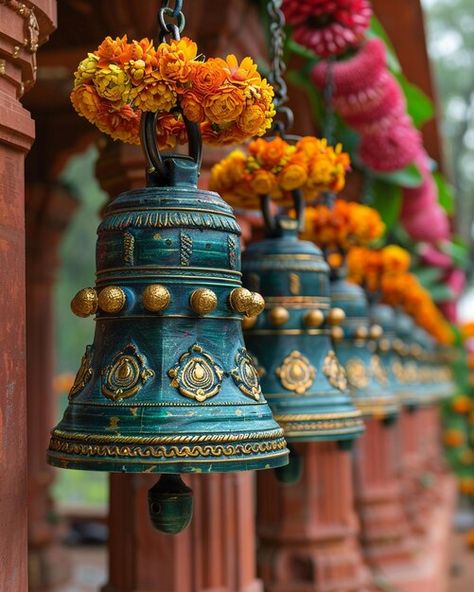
(301, 376)
(366, 375)
(405, 366)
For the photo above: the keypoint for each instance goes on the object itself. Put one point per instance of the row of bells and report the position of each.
(169, 384)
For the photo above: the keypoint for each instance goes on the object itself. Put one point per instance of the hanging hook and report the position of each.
(164, 26)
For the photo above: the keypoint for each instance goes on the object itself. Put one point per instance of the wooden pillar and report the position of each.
(49, 210)
(385, 531)
(308, 531)
(216, 553)
(22, 28)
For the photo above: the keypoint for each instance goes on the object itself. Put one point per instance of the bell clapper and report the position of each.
(170, 504)
(291, 473)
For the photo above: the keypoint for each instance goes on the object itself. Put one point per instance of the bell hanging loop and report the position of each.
(275, 224)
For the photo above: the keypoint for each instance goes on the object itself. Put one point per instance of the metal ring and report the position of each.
(178, 7)
(174, 29)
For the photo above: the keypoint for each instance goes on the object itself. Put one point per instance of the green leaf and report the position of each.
(419, 105)
(299, 50)
(445, 193)
(387, 200)
(441, 293)
(410, 176)
(376, 30)
(301, 79)
(428, 276)
(458, 251)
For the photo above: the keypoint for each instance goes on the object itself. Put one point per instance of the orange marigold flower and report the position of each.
(112, 51)
(156, 95)
(461, 404)
(253, 121)
(170, 130)
(453, 438)
(191, 104)
(246, 72)
(86, 101)
(263, 182)
(292, 177)
(207, 77)
(224, 106)
(120, 123)
(175, 59)
(395, 259)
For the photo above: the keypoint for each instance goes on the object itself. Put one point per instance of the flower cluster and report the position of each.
(327, 27)
(275, 168)
(344, 225)
(119, 81)
(386, 271)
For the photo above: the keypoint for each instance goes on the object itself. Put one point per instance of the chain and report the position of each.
(277, 43)
(165, 25)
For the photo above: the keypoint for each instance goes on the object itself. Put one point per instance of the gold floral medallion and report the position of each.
(126, 375)
(246, 374)
(378, 370)
(296, 373)
(84, 373)
(334, 372)
(356, 372)
(196, 375)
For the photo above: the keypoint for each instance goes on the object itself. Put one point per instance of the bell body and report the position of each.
(167, 386)
(300, 374)
(367, 377)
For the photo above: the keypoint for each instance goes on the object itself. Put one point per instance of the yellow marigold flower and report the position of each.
(86, 69)
(395, 259)
(225, 106)
(113, 83)
(246, 72)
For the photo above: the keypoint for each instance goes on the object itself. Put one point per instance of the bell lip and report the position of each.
(224, 465)
(167, 453)
(322, 427)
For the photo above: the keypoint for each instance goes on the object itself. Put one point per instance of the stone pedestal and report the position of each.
(22, 29)
(385, 532)
(308, 530)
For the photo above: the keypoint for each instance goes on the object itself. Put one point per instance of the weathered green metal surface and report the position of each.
(301, 376)
(169, 391)
(367, 377)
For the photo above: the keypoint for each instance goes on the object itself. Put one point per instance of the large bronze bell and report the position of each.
(167, 385)
(300, 374)
(356, 349)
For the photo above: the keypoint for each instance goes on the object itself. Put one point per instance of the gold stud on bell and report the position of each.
(278, 316)
(336, 316)
(155, 297)
(111, 299)
(203, 301)
(84, 302)
(314, 318)
(375, 332)
(337, 333)
(240, 300)
(248, 322)
(361, 332)
(257, 305)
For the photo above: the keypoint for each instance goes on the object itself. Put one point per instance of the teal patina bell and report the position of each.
(356, 349)
(300, 374)
(168, 385)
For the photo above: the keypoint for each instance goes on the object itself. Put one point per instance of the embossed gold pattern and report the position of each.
(378, 370)
(84, 302)
(356, 372)
(155, 297)
(334, 372)
(246, 375)
(112, 299)
(296, 373)
(203, 301)
(126, 375)
(196, 375)
(84, 373)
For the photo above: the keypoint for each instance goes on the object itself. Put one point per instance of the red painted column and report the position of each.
(49, 210)
(216, 553)
(308, 531)
(21, 30)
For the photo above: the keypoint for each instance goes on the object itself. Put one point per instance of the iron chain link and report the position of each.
(165, 26)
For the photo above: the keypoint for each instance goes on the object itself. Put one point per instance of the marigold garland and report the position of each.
(385, 271)
(275, 168)
(119, 81)
(344, 225)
